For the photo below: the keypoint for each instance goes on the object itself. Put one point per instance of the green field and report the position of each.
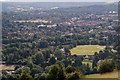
(6, 67)
(86, 49)
(114, 74)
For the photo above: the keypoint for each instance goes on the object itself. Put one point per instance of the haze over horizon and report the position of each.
(107, 1)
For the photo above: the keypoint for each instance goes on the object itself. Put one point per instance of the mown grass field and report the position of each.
(114, 74)
(86, 49)
(6, 67)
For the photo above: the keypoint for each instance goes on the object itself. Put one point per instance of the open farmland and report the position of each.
(86, 49)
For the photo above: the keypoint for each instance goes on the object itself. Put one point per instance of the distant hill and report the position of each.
(11, 6)
(93, 8)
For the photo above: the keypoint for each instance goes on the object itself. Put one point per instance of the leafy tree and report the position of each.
(70, 69)
(118, 48)
(43, 44)
(23, 69)
(25, 76)
(40, 76)
(67, 50)
(67, 62)
(35, 71)
(87, 70)
(47, 54)
(52, 60)
(26, 69)
(16, 67)
(10, 77)
(59, 54)
(95, 60)
(30, 63)
(102, 42)
(78, 61)
(56, 72)
(73, 76)
(38, 58)
(106, 66)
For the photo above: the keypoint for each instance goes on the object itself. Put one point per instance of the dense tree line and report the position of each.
(55, 72)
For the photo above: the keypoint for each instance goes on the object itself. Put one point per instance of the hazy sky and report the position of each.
(109, 1)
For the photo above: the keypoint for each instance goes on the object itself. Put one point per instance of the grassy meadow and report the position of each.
(6, 67)
(86, 49)
(114, 74)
